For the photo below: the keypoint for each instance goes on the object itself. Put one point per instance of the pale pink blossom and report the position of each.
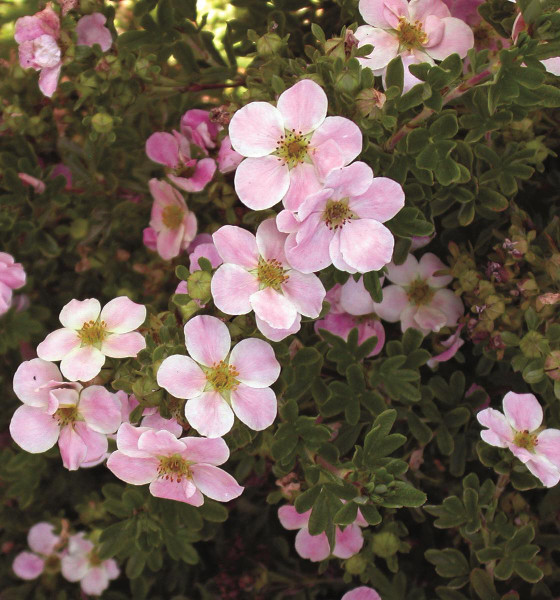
(520, 430)
(256, 276)
(91, 30)
(12, 277)
(174, 151)
(178, 469)
(348, 541)
(174, 224)
(418, 297)
(552, 65)
(342, 223)
(37, 37)
(35, 183)
(451, 345)
(228, 158)
(54, 410)
(290, 148)
(197, 127)
(89, 334)
(43, 542)
(216, 380)
(205, 248)
(81, 563)
(417, 31)
(361, 593)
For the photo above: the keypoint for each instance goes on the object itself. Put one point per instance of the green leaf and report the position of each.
(165, 15)
(483, 585)
(322, 513)
(528, 571)
(448, 562)
(403, 494)
(318, 33)
(445, 127)
(347, 514)
(394, 75)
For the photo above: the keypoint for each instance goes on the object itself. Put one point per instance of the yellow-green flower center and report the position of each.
(93, 333)
(66, 415)
(420, 293)
(172, 216)
(174, 467)
(337, 213)
(94, 559)
(222, 377)
(411, 35)
(292, 148)
(271, 273)
(524, 439)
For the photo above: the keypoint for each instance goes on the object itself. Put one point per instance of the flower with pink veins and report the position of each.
(316, 547)
(198, 129)
(37, 37)
(342, 223)
(218, 380)
(174, 224)
(256, 276)
(361, 593)
(173, 151)
(43, 542)
(177, 469)
(417, 31)
(82, 563)
(290, 148)
(519, 429)
(91, 30)
(90, 334)
(418, 297)
(12, 277)
(53, 410)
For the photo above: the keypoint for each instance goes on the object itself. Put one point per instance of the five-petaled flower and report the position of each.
(43, 542)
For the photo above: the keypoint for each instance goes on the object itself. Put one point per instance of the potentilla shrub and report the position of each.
(279, 299)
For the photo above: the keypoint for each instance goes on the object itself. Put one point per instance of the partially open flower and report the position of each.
(91, 30)
(12, 277)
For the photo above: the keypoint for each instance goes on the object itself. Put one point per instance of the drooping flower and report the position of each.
(215, 381)
(342, 223)
(316, 547)
(12, 277)
(37, 37)
(417, 31)
(82, 563)
(54, 410)
(197, 127)
(290, 147)
(91, 30)
(178, 469)
(174, 224)
(43, 542)
(417, 297)
(451, 345)
(90, 334)
(361, 593)
(256, 276)
(38, 185)
(519, 429)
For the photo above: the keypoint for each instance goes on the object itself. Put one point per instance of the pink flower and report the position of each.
(174, 224)
(82, 563)
(38, 47)
(218, 380)
(178, 469)
(91, 30)
(90, 334)
(228, 158)
(198, 129)
(316, 547)
(417, 298)
(341, 224)
(451, 345)
(53, 410)
(35, 183)
(361, 593)
(149, 238)
(290, 147)
(417, 31)
(517, 429)
(12, 277)
(204, 250)
(43, 542)
(173, 151)
(256, 276)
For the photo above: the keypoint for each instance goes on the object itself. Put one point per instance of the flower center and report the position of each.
(336, 213)
(172, 216)
(185, 170)
(420, 293)
(222, 377)
(66, 415)
(174, 467)
(94, 559)
(93, 333)
(524, 439)
(52, 564)
(292, 148)
(270, 273)
(411, 35)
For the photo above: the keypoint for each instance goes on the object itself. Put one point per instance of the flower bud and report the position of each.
(385, 544)
(102, 122)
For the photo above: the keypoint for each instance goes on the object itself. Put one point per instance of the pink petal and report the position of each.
(311, 253)
(127, 440)
(355, 299)
(82, 364)
(96, 444)
(523, 411)
(277, 335)
(326, 157)
(207, 251)
(361, 593)
(94, 582)
(429, 318)
(422, 9)
(349, 181)
(395, 300)
(261, 182)
(428, 265)
(499, 431)
(270, 241)
(209, 414)
(163, 148)
(255, 129)
(29, 378)
(99, 410)
(156, 421)
(33, 429)
(211, 451)
(255, 362)
(123, 345)
(386, 47)
(434, 28)
(73, 449)
(111, 568)
(303, 106)
(383, 13)
(336, 254)
(121, 315)
(48, 80)
(273, 308)
(548, 444)
(372, 328)
(348, 542)
(181, 376)
(28, 566)
(236, 245)
(256, 408)
(304, 181)
(287, 222)
(91, 30)
(291, 519)
(228, 158)
(381, 201)
(58, 344)
(41, 538)
(74, 566)
(552, 65)
(457, 37)
(305, 292)
(160, 443)
(182, 491)
(215, 483)
(313, 547)
(169, 242)
(543, 469)
(366, 245)
(207, 339)
(404, 274)
(137, 471)
(77, 312)
(449, 304)
(203, 174)
(231, 287)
